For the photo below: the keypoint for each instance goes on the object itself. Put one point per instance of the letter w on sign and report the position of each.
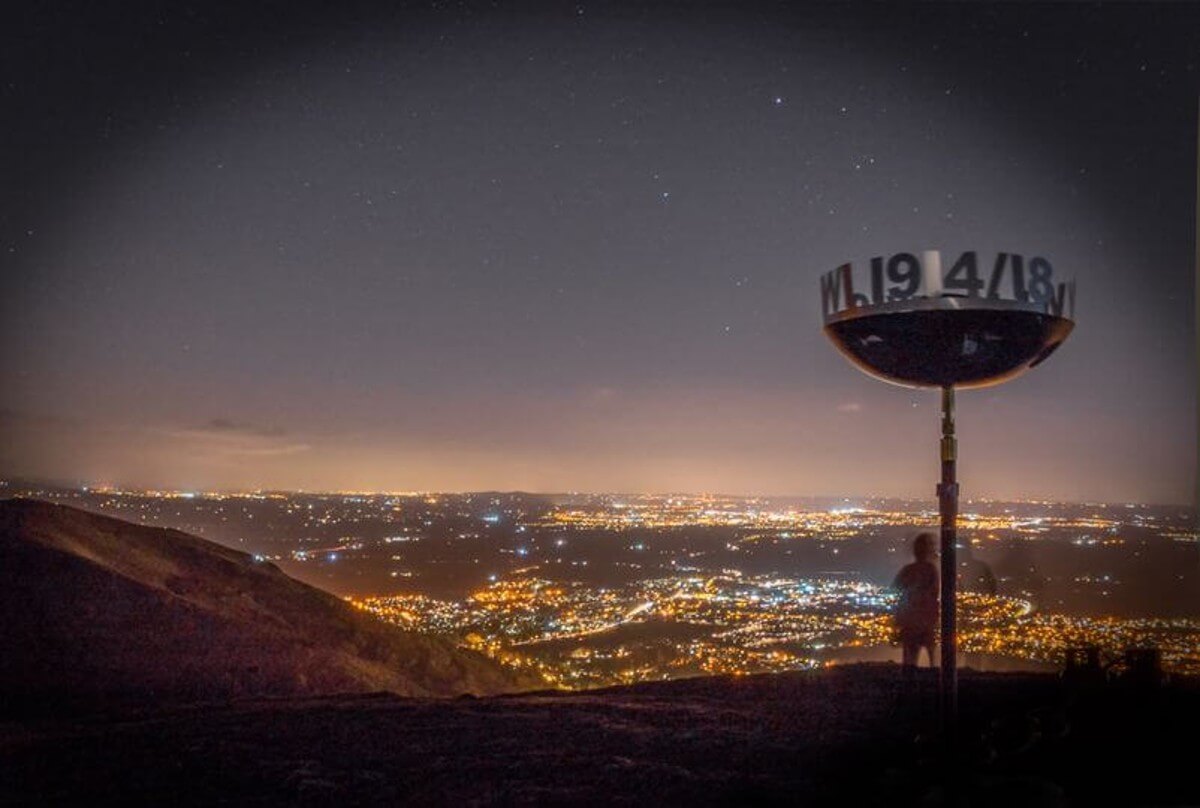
(835, 286)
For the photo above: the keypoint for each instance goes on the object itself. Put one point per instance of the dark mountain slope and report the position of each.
(94, 606)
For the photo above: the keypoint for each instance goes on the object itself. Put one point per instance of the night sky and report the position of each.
(577, 246)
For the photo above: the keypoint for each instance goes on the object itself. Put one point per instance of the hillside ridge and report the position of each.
(100, 607)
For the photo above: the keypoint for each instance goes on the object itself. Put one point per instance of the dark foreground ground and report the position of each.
(856, 735)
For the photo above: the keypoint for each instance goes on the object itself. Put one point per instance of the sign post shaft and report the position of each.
(947, 492)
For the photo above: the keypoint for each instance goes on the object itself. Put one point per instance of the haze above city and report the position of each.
(577, 248)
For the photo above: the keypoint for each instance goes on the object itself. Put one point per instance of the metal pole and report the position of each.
(1196, 322)
(947, 492)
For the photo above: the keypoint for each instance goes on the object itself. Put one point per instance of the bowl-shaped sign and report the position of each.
(918, 321)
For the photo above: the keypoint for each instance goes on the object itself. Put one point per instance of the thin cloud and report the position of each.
(227, 438)
(227, 425)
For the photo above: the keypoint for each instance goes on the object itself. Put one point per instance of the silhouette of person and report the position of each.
(974, 575)
(1019, 567)
(916, 614)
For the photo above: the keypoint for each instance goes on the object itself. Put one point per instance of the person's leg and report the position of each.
(908, 656)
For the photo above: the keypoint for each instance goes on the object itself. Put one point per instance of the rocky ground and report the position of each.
(847, 736)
